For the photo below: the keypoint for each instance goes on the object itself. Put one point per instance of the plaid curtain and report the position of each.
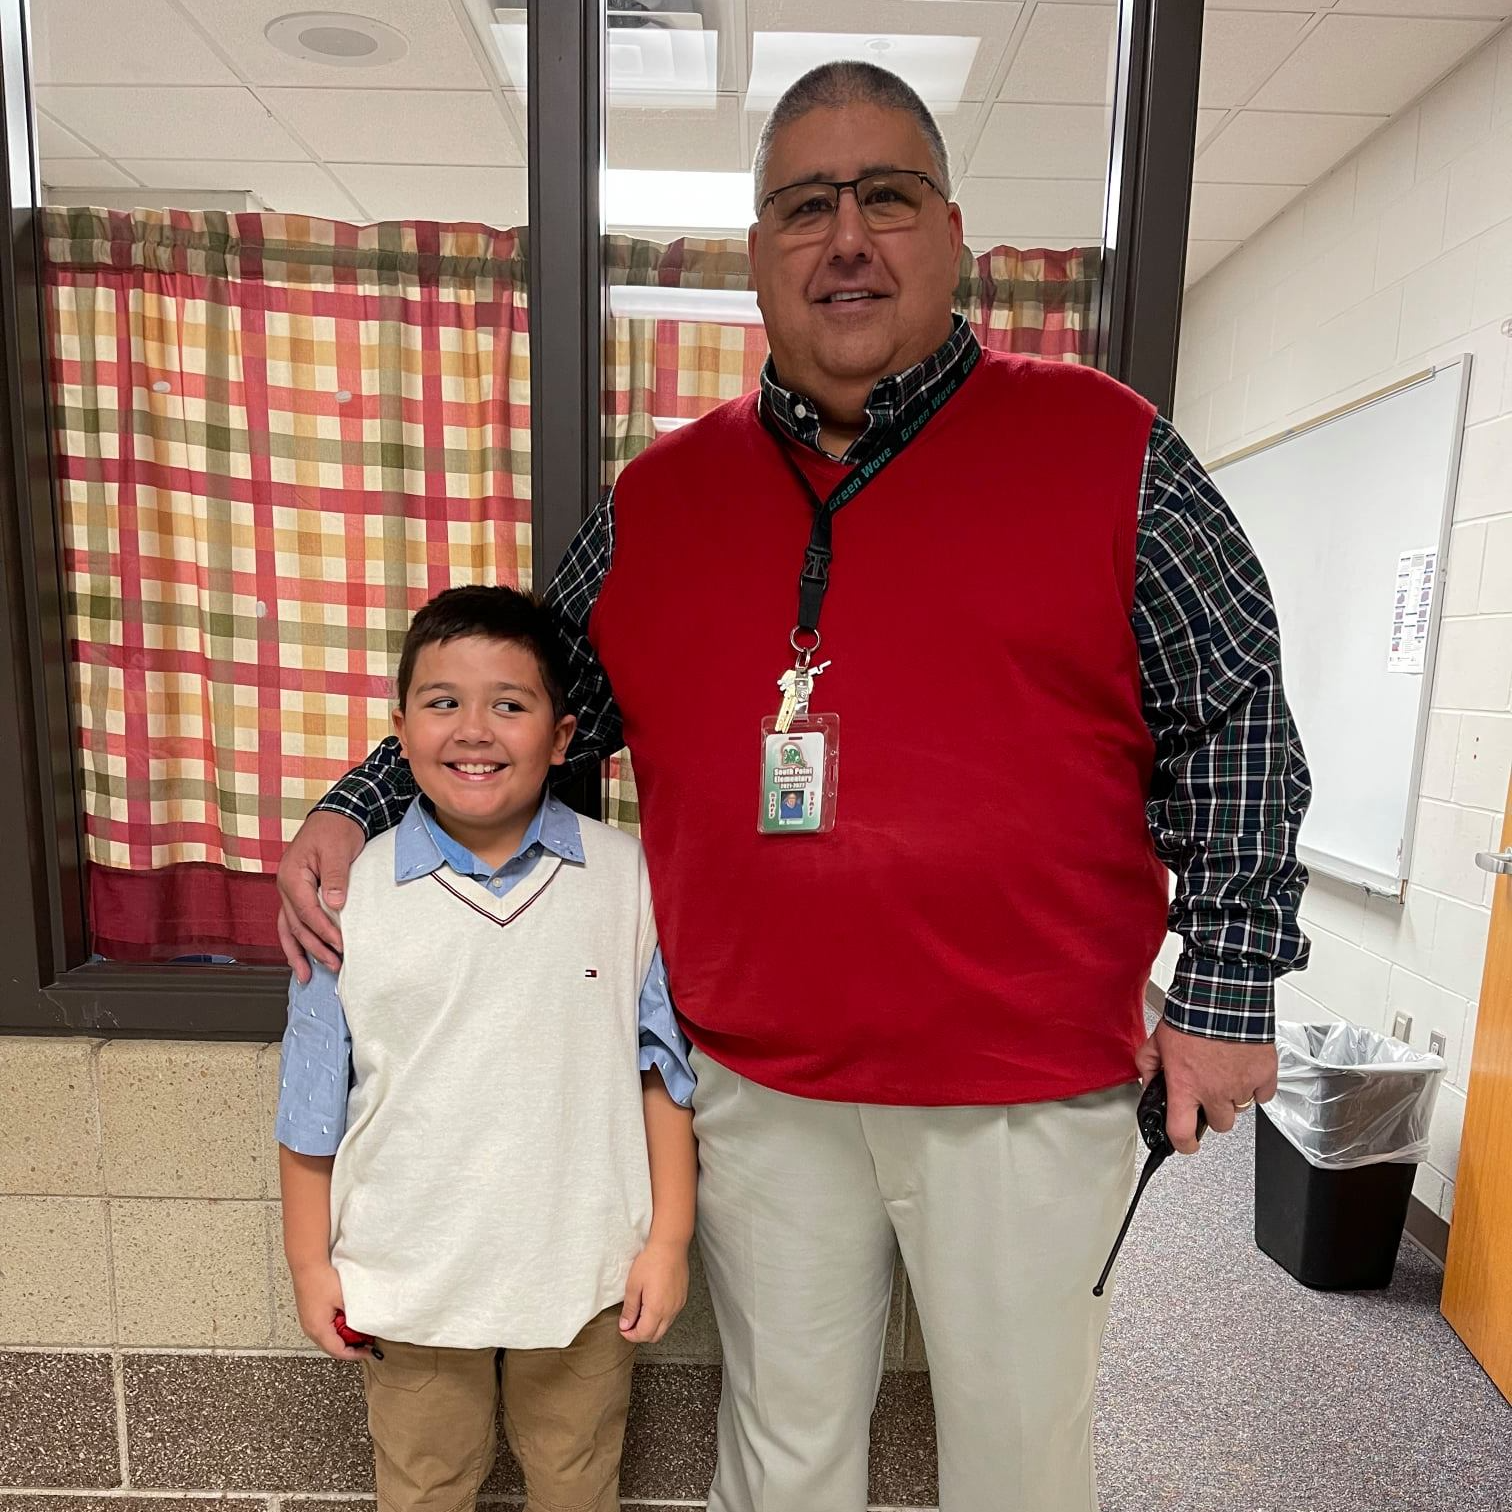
(1042, 302)
(275, 438)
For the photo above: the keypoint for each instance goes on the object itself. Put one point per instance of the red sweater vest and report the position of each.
(979, 925)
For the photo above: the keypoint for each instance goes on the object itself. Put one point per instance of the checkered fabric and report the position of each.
(275, 438)
(1038, 301)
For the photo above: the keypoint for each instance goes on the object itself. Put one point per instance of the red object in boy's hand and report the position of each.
(352, 1337)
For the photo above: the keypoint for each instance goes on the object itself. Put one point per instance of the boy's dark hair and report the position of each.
(498, 614)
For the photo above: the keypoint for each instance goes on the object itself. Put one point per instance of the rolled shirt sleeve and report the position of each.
(663, 1045)
(1231, 785)
(315, 1069)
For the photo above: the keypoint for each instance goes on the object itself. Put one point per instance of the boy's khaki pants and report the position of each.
(432, 1414)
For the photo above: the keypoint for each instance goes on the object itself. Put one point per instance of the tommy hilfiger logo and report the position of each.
(590, 972)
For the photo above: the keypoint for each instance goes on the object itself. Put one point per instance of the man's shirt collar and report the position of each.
(421, 846)
(894, 399)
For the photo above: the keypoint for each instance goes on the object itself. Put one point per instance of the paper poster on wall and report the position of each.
(1416, 576)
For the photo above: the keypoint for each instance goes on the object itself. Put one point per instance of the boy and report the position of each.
(483, 1118)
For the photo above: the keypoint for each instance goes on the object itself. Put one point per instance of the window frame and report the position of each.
(47, 984)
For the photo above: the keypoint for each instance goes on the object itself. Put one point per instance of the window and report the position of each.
(271, 382)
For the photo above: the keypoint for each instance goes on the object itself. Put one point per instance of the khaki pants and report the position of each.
(432, 1413)
(1004, 1217)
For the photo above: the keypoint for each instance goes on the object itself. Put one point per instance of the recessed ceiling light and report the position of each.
(336, 38)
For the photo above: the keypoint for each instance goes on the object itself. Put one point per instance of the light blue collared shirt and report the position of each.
(316, 1071)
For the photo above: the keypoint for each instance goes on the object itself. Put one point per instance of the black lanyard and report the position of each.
(813, 581)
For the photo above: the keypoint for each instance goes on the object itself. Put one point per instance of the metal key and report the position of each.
(788, 682)
(805, 687)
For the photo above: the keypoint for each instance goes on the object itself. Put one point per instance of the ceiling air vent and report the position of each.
(661, 52)
(655, 15)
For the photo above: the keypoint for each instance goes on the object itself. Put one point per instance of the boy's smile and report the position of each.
(480, 733)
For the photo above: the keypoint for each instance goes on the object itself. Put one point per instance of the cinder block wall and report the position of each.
(1400, 258)
(148, 1338)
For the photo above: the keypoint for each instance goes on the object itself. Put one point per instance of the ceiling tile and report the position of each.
(993, 23)
(517, 108)
(439, 56)
(1405, 56)
(1208, 121)
(1203, 256)
(1239, 50)
(459, 128)
(707, 140)
(1259, 148)
(54, 141)
(1069, 211)
(72, 43)
(294, 188)
(123, 121)
(1067, 57)
(1045, 141)
(1232, 212)
(83, 173)
(498, 197)
(1492, 10)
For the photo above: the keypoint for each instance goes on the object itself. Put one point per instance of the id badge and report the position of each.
(800, 772)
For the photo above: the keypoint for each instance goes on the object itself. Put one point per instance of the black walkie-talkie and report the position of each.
(1151, 1117)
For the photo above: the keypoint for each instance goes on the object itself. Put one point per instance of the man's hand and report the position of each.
(1216, 1075)
(655, 1291)
(317, 1294)
(321, 853)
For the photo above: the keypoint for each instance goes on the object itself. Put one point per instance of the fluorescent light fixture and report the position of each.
(937, 67)
(713, 306)
(671, 61)
(696, 202)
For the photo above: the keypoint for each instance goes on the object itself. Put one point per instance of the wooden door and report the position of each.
(1478, 1275)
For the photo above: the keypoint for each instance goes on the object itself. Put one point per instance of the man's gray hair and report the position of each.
(850, 82)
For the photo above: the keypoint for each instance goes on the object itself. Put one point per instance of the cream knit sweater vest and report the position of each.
(493, 1186)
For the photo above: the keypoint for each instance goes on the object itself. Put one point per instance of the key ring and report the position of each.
(805, 653)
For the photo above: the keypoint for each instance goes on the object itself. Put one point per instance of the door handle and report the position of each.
(1499, 862)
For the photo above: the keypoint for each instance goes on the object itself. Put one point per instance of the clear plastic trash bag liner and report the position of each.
(1348, 1096)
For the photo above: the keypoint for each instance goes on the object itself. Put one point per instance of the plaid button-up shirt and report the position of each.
(1230, 786)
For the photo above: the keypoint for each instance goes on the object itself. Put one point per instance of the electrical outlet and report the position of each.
(1401, 1027)
(1436, 1042)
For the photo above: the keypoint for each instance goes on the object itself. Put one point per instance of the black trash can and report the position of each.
(1336, 1151)
(1334, 1230)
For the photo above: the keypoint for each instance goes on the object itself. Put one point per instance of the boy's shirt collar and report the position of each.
(421, 846)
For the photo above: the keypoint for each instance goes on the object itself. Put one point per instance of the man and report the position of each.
(925, 1022)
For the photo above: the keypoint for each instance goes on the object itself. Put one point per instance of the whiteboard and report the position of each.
(1330, 508)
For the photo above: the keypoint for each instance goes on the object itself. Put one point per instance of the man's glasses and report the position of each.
(886, 200)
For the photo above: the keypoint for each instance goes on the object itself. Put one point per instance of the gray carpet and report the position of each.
(1229, 1387)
